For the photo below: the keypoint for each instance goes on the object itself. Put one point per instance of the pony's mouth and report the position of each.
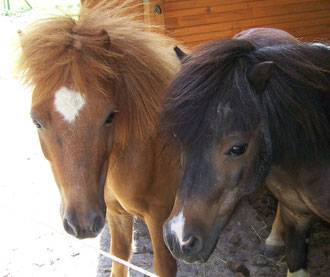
(202, 257)
(81, 231)
(199, 252)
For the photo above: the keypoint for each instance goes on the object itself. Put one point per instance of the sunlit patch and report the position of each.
(274, 240)
(224, 111)
(299, 273)
(68, 103)
(318, 44)
(177, 226)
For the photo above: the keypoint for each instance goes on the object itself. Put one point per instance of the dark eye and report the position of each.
(110, 118)
(237, 150)
(36, 123)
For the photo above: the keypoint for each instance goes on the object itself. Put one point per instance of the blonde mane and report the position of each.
(105, 51)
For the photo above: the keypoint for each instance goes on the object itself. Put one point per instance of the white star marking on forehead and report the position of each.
(68, 103)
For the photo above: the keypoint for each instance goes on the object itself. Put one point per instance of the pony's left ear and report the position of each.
(179, 53)
(259, 74)
(106, 37)
(20, 34)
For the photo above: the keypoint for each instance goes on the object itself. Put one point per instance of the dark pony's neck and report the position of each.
(296, 103)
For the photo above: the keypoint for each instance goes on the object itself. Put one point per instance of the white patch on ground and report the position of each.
(68, 103)
(299, 273)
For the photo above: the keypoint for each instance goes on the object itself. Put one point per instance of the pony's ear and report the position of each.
(20, 34)
(106, 36)
(259, 74)
(179, 53)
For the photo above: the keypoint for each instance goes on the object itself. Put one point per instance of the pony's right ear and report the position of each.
(179, 53)
(106, 36)
(259, 74)
(20, 34)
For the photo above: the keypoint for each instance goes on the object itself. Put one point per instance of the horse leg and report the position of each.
(164, 264)
(296, 232)
(121, 227)
(275, 244)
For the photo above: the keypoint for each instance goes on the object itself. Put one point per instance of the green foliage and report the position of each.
(16, 7)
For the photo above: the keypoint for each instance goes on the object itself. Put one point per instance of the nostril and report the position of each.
(70, 228)
(188, 241)
(97, 224)
(192, 245)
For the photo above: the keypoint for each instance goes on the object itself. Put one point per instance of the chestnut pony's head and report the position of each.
(98, 82)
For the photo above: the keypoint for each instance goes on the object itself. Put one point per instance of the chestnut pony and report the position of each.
(246, 116)
(98, 85)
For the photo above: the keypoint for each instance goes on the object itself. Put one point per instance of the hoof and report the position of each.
(274, 251)
(299, 273)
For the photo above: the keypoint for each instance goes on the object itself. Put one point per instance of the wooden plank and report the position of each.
(245, 24)
(196, 21)
(184, 5)
(324, 37)
(135, 6)
(205, 11)
(309, 30)
(187, 12)
(300, 25)
(295, 28)
(138, 9)
(246, 14)
(221, 35)
(154, 14)
(194, 44)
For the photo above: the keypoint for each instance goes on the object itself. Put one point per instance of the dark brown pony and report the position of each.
(245, 116)
(98, 83)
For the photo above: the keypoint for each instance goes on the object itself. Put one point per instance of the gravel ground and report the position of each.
(239, 251)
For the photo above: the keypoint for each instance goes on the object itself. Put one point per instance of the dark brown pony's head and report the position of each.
(236, 110)
(98, 82)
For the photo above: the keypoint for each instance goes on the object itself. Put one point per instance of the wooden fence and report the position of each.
(193, 22)
(196, 21)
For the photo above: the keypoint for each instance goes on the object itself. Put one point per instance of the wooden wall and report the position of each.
(193, 22)
(196, 21)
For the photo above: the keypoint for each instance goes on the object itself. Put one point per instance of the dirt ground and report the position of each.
(239, 251)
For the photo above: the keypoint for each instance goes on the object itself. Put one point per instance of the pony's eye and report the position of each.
(237, 150)
(110, 118)
(36, 123)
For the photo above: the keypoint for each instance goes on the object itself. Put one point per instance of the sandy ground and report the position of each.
(32, 240)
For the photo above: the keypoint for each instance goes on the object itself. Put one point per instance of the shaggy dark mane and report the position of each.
(295, 103)
(197, 88)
